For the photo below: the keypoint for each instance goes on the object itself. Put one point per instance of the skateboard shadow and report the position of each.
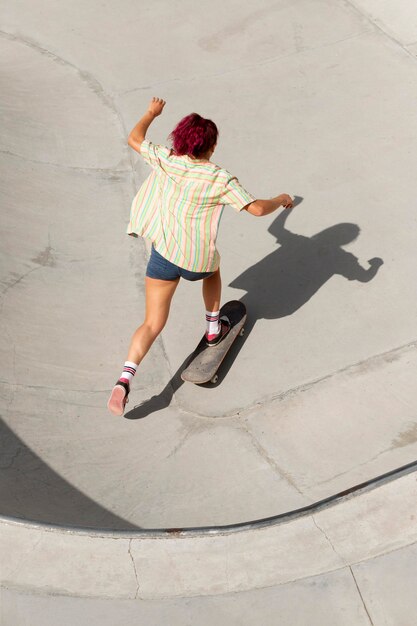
(163, 399)
(160, 401)
(281, 283)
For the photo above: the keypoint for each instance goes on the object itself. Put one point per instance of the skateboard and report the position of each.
(207, 360)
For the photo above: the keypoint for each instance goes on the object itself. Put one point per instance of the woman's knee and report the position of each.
(154, 327)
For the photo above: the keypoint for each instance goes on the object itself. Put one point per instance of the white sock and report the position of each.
(129, 370)
(212, 320)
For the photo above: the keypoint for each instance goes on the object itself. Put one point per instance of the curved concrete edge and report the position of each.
(122, 565)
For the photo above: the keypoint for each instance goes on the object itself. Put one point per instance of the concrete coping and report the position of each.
(281, 518)
(373, 518)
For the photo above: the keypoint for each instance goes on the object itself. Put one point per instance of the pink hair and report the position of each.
(194, 135)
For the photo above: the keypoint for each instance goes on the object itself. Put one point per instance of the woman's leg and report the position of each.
(212, 291)
(158, 301)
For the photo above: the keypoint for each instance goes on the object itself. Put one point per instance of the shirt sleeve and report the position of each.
(235, 195)
(152, 153)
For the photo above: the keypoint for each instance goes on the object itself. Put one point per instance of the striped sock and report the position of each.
(212, 320)
(129, 370)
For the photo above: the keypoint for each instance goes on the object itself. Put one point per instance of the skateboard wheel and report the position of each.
(242, 332)
(214, 379)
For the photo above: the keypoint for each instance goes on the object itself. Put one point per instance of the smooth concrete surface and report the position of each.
(375, 592)
(133, 565)
(314, 98)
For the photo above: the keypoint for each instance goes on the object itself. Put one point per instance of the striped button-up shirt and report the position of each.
(180, 204)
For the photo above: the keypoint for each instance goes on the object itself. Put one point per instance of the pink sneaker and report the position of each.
(119, 397)
(213, 340)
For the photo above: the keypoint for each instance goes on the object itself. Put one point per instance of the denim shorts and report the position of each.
(162, 269)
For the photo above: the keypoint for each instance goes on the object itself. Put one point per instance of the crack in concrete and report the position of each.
(181, 443)
(195, 429)
(60, 389)
(134, 568)
(107, 172)
(361, 596)
(329, 541)
(95, 86)
(18, 280)
(13, 459)
(380, 28)
(272, 462)
(85, 77)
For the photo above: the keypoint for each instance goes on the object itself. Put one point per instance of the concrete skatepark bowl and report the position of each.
(300, 462)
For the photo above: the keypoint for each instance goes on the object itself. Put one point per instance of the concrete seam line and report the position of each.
(279, 397)
(207, 531)
(381, 30)
(36, 591)
(134, 568)
(86, 77)
(263, 453)
(361, 596)
(106, 171)
(94, 85)
(244, 411)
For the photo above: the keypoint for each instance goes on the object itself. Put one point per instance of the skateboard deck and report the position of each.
(207, 360)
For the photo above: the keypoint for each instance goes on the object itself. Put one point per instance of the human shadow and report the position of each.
(280, 284)
(287, 278)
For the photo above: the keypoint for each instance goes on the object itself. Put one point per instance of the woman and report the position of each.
(178, 208)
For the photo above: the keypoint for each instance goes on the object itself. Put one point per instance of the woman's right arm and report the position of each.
(138, 134)
(259, 208)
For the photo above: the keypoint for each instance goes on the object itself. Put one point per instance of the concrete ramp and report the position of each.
(311, 432)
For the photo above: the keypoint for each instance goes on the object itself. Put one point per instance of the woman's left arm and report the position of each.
(138, 134)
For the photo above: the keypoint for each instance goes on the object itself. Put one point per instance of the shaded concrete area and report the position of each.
(30, 489)
(316, 99)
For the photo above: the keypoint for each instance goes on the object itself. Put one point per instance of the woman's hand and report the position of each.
(286, 201)
(156, 106)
